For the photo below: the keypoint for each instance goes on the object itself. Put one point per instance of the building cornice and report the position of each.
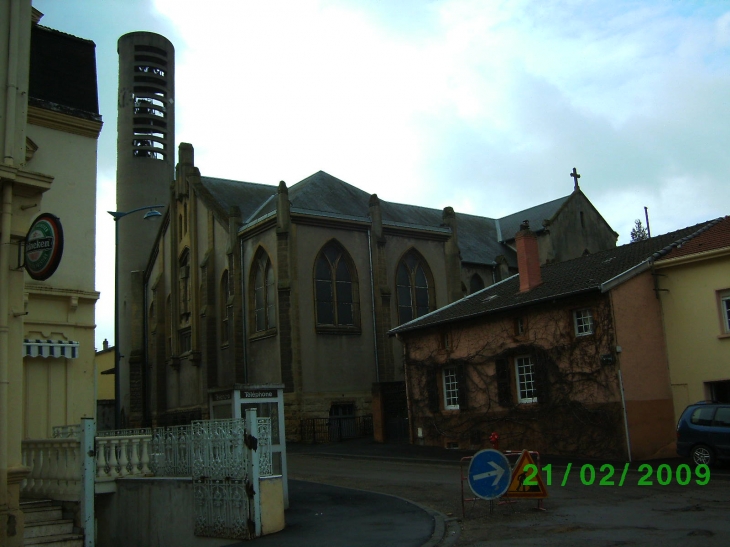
(330, 222)
(695, 257)
(26, 183)
(432, 234)
(46, 290)
(63, 122)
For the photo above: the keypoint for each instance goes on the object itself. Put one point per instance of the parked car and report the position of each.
(703, 432)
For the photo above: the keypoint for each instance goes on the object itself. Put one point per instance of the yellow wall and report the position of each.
(60, 391)
(698, 350)
(104, 382)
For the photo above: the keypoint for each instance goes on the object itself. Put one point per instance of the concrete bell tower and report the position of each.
(145, 170)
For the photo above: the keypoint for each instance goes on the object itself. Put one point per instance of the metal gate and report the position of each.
(222, 458)
(220, 479)
(395, 411)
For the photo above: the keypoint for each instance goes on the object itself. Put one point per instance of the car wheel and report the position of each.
(702, 454)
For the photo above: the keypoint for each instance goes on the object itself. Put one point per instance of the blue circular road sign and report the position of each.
(489, 474)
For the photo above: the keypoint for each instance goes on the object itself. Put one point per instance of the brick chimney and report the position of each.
(528, 258)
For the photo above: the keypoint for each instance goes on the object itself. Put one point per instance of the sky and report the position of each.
(485, 106)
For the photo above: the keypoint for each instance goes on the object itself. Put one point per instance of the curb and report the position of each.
(446, 530)
(403, 459)
(723, 475)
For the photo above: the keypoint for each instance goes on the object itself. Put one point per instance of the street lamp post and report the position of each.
(151, 214)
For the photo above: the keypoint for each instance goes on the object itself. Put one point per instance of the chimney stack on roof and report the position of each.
(528, 258)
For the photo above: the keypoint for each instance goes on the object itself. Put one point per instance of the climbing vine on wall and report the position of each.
(577, 409)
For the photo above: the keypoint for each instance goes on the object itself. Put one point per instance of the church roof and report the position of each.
(321, 194)
(247, 196)
(591, 273)
(510, 224)
(479, 242)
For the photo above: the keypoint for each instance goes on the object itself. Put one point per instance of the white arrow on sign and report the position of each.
(496, 473)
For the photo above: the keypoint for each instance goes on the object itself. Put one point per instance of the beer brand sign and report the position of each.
(43, 246)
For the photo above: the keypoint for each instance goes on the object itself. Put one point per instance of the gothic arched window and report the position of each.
(336, 291)
(414, 287)
(476, 283)
(184, 291)
(263, 303)
(225, 308)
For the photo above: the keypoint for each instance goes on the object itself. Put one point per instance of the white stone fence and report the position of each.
(55, 469)
(56, 464)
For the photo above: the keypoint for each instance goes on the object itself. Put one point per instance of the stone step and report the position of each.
(59, 540)
(42, 513)
(49, 528)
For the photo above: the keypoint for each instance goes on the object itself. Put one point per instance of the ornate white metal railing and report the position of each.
(66, 431)
(125, 432)
(171, 451)
(266, 467)
(225, 459)
(179, 451)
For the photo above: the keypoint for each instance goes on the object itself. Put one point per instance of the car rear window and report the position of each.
(702, 416)
(722, 417)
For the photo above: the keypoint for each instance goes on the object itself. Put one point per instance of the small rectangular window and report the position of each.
(525, 370)
(451, 389)
(445, 343)
(583, 321)
(725, 311)
(186, 340)
(520, 326)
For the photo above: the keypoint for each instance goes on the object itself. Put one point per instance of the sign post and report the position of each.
(489, 474)
(526, 482)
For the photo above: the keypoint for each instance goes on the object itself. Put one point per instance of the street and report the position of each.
(576, 515)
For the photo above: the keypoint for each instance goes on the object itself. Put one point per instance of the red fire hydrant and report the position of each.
(494, 439)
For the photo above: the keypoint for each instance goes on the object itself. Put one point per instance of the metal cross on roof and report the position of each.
(575, 176)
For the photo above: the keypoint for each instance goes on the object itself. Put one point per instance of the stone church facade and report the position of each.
(253, 284)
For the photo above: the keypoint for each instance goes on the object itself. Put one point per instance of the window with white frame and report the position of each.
(725, 311)
(525, 371)
(583, 321)
(451, 389)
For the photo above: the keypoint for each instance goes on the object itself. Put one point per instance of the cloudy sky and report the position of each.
(482, 105)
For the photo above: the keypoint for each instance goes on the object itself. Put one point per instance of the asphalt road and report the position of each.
(577, 514)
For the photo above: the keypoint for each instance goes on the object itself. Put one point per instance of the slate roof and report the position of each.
(479, 242)
(589, 273)
(247, 196)
(63, 73)
(716, 237)
(323, 193)
(481, 239)
(510, 224)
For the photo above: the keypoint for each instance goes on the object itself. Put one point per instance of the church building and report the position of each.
(297, 286)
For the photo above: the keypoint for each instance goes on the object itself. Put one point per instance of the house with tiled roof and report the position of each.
(693, 284)
(564, 358)
(297, 286)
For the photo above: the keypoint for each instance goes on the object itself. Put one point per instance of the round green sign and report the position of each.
(43, 246)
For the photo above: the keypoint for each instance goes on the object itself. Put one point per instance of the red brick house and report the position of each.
(568, 358)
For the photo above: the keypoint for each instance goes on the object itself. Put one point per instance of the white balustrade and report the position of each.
(55, 469)
(122, 456)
